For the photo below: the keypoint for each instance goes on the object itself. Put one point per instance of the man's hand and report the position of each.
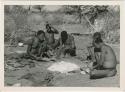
(38, 58)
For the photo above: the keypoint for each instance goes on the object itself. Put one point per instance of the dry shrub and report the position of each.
(24, 22)
(109, 25)
(9, 27)
(35, 22)
(55, 19)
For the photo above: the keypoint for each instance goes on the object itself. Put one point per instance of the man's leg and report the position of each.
(59, 52)
(71, 52)
(97, 74)
(27, 56)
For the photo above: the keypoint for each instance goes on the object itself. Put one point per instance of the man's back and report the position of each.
(109, 56)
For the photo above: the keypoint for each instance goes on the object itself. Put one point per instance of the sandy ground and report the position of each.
(80, 80)
(36, 74)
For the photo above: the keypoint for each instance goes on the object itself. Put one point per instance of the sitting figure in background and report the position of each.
(37, 46)
(66, 45)
(49, 36)
(106, 63)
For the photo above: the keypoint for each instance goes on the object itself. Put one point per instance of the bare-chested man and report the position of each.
(66, 45)
(49, 34)
(37, 46)
(106, 64)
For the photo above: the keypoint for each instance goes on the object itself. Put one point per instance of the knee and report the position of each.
(112, 73)
(92, 72)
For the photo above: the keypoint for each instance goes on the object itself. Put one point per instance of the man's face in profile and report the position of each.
(64, 36)
(41, 37)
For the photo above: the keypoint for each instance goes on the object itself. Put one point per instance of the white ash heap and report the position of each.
(63, 67)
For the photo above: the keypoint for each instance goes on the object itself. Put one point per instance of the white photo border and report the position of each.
(122, 45)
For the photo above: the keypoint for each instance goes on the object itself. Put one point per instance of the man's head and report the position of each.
(64, 36)
(41, 35)
(48, 28)
(98, 42)
(97, 35)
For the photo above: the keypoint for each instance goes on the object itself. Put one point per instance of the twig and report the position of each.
(89, 22)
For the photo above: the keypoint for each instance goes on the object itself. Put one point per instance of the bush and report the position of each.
(23, 22)
(109, 25)
(9, 27)
(55, 19)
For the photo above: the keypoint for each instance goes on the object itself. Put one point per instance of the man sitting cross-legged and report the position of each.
(66, 45)
(37, 46)
(50, 39)
(106, 64)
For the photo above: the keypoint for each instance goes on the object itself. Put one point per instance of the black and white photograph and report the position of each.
(62, 46)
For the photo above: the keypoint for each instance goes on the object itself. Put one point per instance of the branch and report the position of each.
(90, 22)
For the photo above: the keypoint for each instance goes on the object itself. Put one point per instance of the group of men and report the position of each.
(45, 45)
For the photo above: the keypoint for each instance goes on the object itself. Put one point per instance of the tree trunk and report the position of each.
(90, 23)
(80, 14)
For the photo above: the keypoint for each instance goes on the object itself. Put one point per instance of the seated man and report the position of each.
(49, 35)
(94, 51)
(106, 64)
(37, 46)
(66, 45)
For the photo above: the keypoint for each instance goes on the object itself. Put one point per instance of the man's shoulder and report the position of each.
(109, 48)
(106, 48)
(32, 40)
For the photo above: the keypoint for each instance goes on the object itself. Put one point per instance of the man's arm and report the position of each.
(39, 51)
(42, 48)
(99, 59)
(57, 44)
(73, 43)
(29, 52)
(102, 56)
(54, 30)
(32, 44)
(91, 53)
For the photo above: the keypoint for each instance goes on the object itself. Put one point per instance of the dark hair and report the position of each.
(49, 29)
(64, 36)
(40, 32)
(98, 40)
(97, 35)
(47, 25)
